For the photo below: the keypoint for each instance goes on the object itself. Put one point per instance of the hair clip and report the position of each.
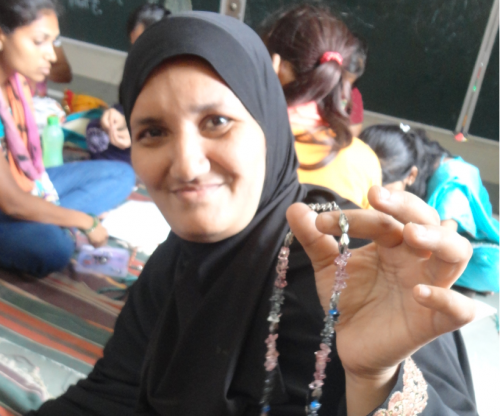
(404, 127)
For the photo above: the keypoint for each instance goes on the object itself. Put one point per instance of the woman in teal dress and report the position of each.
(410, 161)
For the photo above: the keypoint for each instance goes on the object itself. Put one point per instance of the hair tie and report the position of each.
(331, 56)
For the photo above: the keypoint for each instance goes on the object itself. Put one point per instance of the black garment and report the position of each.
(113, 386)
(190, 340)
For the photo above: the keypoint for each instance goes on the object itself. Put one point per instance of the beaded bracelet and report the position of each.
(331, 319)
(95, 223)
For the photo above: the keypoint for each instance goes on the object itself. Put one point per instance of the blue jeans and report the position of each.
(92, 187)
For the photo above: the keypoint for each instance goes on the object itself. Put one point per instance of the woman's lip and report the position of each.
(45, 71)
(196, 192)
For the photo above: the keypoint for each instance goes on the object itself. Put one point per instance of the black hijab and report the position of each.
(207, 352)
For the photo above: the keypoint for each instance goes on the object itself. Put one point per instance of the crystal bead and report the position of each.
(274, 318)
(315, 405)
(344, 240)
(334, 299)
(284, 252)
(339, 285)
(317, 392)
(327, 341)
(343, 223)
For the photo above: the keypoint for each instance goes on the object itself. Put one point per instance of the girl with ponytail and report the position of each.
(311, 49)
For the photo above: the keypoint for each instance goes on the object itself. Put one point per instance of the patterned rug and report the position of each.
(53, 330)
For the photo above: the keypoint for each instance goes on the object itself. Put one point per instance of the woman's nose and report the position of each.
(50, 54)
(189, 159)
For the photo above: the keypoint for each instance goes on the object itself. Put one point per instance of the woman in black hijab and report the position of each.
(212, 143)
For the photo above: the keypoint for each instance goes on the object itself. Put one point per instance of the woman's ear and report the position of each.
(283, 69)
(412, 177)
(276, 62)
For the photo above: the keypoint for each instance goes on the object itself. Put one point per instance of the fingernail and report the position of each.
(384, 193)
(425, 292)
(420, 230)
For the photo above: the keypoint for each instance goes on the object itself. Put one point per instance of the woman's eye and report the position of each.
(217, 122)
(150, 133)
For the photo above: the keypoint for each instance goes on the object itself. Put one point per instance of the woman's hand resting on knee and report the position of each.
(398, 297)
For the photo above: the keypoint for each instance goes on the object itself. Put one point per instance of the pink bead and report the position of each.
(340, 261)
(341, 275)
(280, 283)
(272, 354)
(339, 285)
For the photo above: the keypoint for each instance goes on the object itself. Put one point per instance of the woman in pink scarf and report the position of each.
(38, 205)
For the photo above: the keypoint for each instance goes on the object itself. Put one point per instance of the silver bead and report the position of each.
(344, 240)
(343, 223)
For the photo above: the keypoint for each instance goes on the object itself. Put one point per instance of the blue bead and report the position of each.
(266, 409)
(333, 312)
(315, 405)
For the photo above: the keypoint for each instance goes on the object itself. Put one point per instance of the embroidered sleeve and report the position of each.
(413, 399)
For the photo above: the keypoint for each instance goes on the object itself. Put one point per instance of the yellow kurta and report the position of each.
(351, 174)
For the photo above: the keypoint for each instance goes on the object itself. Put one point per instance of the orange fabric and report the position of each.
(351, 174)
(16, 106)
(5, 412)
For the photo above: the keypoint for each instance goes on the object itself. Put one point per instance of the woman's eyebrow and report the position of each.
(147, 121)
(203, 108)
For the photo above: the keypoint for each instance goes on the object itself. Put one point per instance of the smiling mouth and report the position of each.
(196, 192)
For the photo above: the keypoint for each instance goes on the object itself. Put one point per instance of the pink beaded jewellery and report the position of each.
(331, 318)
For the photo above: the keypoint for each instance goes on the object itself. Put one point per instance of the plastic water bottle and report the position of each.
(52, 143)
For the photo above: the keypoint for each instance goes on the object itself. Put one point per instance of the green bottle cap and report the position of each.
(53, 121)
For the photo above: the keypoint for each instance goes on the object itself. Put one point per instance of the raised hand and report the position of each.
(398, 297)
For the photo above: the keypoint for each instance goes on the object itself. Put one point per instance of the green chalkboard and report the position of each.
(103, 22)
(421, 55)
(207, 5)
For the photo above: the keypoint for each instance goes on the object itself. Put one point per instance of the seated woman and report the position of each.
(311, 49)
(108, 137)
(38, 205)
(212, 143)
(410, 161)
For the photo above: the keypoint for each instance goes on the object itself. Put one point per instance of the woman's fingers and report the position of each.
(452, 310)
(320, 248)
(403, 206)
(366, 224)
(450, 251)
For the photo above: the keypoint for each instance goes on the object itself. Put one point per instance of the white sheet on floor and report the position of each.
(139, 223)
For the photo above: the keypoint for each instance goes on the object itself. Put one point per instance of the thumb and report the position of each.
(320, 248)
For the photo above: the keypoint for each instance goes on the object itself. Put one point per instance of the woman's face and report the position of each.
(198, 150)
(29, 49)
